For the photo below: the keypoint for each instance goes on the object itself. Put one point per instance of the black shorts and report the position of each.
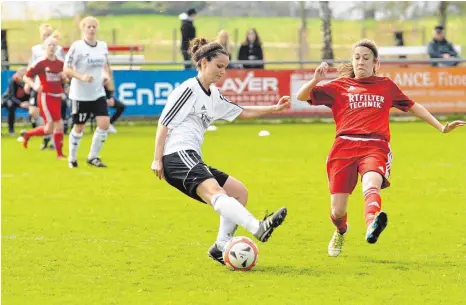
(82, 110)
(185, 170)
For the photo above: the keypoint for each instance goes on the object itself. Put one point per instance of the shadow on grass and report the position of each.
(291, 270)
(407, 265)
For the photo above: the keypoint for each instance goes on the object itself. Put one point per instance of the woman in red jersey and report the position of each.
(49, 70)
(360, 102)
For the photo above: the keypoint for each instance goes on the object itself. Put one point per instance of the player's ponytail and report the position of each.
(200, 48)
(347, 70)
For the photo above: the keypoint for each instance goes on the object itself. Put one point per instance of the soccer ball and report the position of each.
(240, 254)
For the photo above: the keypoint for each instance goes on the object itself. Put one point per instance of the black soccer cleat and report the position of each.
(376, 227)
(269, 223)
(215, 254)
(96, 162)
(45, 143)
(72, 164)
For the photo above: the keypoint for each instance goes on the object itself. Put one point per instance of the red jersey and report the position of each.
(49, 72)
(361, 106)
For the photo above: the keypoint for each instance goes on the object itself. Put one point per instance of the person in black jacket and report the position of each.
(16, 96)
(251, 49)
(439, 47)
(188, 33)
(119, 107)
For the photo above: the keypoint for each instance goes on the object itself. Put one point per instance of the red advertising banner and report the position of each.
(441, 90)
(255, 87)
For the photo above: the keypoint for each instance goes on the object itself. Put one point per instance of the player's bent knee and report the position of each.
(371, 180)
(339, 204)
(58, 127)
(78, 128)
(48, 128)
(103, 122)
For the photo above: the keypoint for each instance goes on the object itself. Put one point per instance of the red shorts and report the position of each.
(350, 156)
(50, 106)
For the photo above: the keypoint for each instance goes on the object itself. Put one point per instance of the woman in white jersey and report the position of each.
(87, 64)
(189, 111)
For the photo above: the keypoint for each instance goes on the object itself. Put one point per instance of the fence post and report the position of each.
(423, 35)
(300, 47)
(174, 43)
(235, 39)
(114, 36)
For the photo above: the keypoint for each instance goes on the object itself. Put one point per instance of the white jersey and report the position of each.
(38, 51)
(87, 59)
(189, 112)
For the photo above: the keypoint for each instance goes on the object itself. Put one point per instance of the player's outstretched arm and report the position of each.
(305, 90)
(160, 137)
(422, 113)
(250, 112)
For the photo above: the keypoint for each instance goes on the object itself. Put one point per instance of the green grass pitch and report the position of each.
(120, 236)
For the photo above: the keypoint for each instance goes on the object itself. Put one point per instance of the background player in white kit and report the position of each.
(189, 111)
(87, 63)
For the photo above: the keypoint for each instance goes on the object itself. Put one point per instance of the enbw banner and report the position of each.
(143, 92)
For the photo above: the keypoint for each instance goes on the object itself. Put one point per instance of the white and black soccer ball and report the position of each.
(240, 254)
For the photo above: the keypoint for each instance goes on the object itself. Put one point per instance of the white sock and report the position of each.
(226, 231)
(98, 140)
(235, 212)
(73, 143)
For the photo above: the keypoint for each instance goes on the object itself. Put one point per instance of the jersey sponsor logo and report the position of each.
(365, 101)
(52, 77)
(206, 120)
(95, 62)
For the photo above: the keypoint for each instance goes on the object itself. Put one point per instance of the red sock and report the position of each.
(58, 138)
(373, 204)
(38, 131)
(340, 223)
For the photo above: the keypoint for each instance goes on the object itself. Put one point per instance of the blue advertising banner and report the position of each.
(143, 92)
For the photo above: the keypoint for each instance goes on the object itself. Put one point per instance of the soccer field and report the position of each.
(120, 236)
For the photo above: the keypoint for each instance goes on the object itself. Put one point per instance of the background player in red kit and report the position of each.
(49, 68)
(360, 102)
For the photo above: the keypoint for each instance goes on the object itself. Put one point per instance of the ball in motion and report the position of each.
(240, 254)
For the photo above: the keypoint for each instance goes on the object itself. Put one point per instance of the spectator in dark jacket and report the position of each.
(188, 33)
(251, 49)
(17, 95)
(439, 47)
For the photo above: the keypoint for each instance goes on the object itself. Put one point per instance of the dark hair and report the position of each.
(200, 48)
(439, 28)
(258, 40)
(346, 69)
(191, 11)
